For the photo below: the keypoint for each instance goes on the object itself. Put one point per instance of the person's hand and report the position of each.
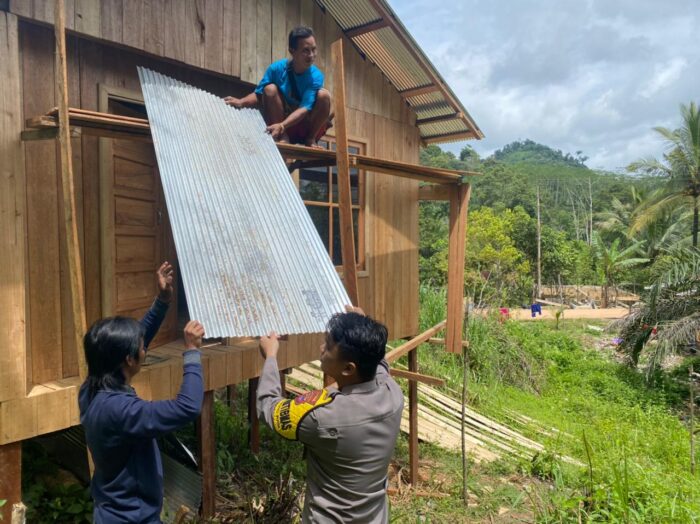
(234, 102)
(194, 332)
(354, 309)
(270, 345)
(275, 130)
(165, 276)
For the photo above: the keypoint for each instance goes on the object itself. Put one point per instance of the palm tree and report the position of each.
(618, 219)
(612, 260)
(680, 168)
(670, 312)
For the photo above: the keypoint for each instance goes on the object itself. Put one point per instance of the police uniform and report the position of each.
(349, 439)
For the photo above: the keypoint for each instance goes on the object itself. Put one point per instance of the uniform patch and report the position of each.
(289, 413)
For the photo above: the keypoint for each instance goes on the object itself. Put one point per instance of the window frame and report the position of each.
(330, 204)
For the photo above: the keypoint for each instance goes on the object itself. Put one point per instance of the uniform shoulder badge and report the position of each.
(289, 413)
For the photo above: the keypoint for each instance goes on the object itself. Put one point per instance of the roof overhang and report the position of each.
(380, 36)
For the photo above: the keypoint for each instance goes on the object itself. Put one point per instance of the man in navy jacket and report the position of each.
(121, 428)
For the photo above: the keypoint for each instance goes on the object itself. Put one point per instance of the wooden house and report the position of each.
(395, 102)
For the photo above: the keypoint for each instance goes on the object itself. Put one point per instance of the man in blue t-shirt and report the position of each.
(295, 105)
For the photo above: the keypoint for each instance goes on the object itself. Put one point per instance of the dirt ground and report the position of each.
(579, 313)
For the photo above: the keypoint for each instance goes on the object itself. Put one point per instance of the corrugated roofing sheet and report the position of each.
(443, 128)
(400, 59)
(362, 13)
(250, 257)
(386, 50)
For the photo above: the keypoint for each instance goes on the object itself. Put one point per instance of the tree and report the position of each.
(680, 169)
(670, 311)
(612, 260)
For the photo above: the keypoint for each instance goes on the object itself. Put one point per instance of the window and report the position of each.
(318, 187)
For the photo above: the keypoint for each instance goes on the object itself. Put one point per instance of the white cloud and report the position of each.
(594, 76)
(664, 75)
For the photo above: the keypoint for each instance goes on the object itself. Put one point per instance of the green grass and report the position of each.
(627, 433)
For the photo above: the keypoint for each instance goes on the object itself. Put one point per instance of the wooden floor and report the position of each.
(53, 406)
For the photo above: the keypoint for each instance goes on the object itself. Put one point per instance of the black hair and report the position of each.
(297, 33)
(360, 339)
(107, 344)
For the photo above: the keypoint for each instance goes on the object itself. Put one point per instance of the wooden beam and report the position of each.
(418, 91)
(459, 135)
(206, 433)
(114, 126)
(404, 348)
(13, 218)
(75, 270)
(413, 420)
(253, 422)
(441, 118)
(367, 28)
(441, 342)
(409, 375)
(441, 192)
(310, 164)
(10, 478)
(459, 205)
(347, 234)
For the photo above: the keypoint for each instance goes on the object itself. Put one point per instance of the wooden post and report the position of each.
(691, 388)
(538, 291)
(231, 395)
(75, 270)
(413, 419)
(254, 423)
(10, 477)
(207, 454)
(459, 205)
(347, 233)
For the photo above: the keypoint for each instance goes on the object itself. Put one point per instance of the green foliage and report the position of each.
(532, 152)
(679, 171)
(506, 187)
(48, 495)
(669, 317)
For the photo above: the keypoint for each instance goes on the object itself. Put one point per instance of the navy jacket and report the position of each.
(121, 431)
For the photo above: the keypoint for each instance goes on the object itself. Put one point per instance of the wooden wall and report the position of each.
(228, 37)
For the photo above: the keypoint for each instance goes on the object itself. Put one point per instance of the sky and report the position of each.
(578, 75)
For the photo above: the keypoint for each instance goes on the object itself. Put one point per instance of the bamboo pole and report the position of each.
(75, 270)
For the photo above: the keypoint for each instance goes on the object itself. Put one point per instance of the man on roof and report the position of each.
(296, 107)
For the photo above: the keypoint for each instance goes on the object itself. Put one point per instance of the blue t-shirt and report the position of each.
(308, 83)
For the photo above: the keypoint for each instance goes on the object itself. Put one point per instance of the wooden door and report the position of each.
(136, 232)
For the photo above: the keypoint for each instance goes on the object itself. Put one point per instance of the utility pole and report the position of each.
(573, 211)
(538, 292)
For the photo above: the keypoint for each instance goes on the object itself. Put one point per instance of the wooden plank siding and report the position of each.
(13, 283)
(232, 41)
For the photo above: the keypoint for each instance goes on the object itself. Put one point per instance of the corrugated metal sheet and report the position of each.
(393, 57)
(361, 12)
(250, 257)
(443, 128)
(385, 49)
